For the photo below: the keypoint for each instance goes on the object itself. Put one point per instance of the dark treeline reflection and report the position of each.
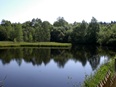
(92, 54)
(37, 56)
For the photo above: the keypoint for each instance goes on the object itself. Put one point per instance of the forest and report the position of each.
(36, 30)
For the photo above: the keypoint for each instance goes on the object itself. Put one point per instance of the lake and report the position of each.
(50, 67)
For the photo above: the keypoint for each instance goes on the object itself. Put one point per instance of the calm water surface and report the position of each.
(48, 67)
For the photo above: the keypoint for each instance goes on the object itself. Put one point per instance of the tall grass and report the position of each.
(34, 44)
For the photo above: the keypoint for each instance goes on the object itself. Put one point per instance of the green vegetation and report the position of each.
(94, 80)
(37, 30)
(35, 44)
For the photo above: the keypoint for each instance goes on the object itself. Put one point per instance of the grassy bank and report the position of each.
(34, 44)
(93, 80)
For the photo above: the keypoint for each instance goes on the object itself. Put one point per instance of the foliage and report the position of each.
(37, 30)
(18, 32)
(79, 33)
(92, 31)
(107, 35)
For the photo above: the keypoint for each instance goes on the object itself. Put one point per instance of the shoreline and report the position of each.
(34, 44)
(94, 79)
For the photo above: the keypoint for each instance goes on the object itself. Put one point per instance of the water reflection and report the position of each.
(90, 54)
(38, 56)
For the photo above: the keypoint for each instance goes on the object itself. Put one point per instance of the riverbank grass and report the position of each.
(94, 80)
(33, 44)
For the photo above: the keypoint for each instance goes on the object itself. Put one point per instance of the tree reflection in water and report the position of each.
(37, 56)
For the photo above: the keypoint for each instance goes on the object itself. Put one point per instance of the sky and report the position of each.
(49, 10)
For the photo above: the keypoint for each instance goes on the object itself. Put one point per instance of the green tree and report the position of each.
(37, 26)
(57, 34)
(46, 31)
(27, 30)
(112, 40)
(103, 35)
(3, 34)
(60, 22)
(30, 37)
(61, 31)
(19, 33)
(107, 34)
(79, 33)
(92, 31)
(8, 28)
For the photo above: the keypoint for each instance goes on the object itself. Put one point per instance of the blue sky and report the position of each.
(50, 10)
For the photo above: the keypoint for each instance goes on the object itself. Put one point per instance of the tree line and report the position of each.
(36, 30)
